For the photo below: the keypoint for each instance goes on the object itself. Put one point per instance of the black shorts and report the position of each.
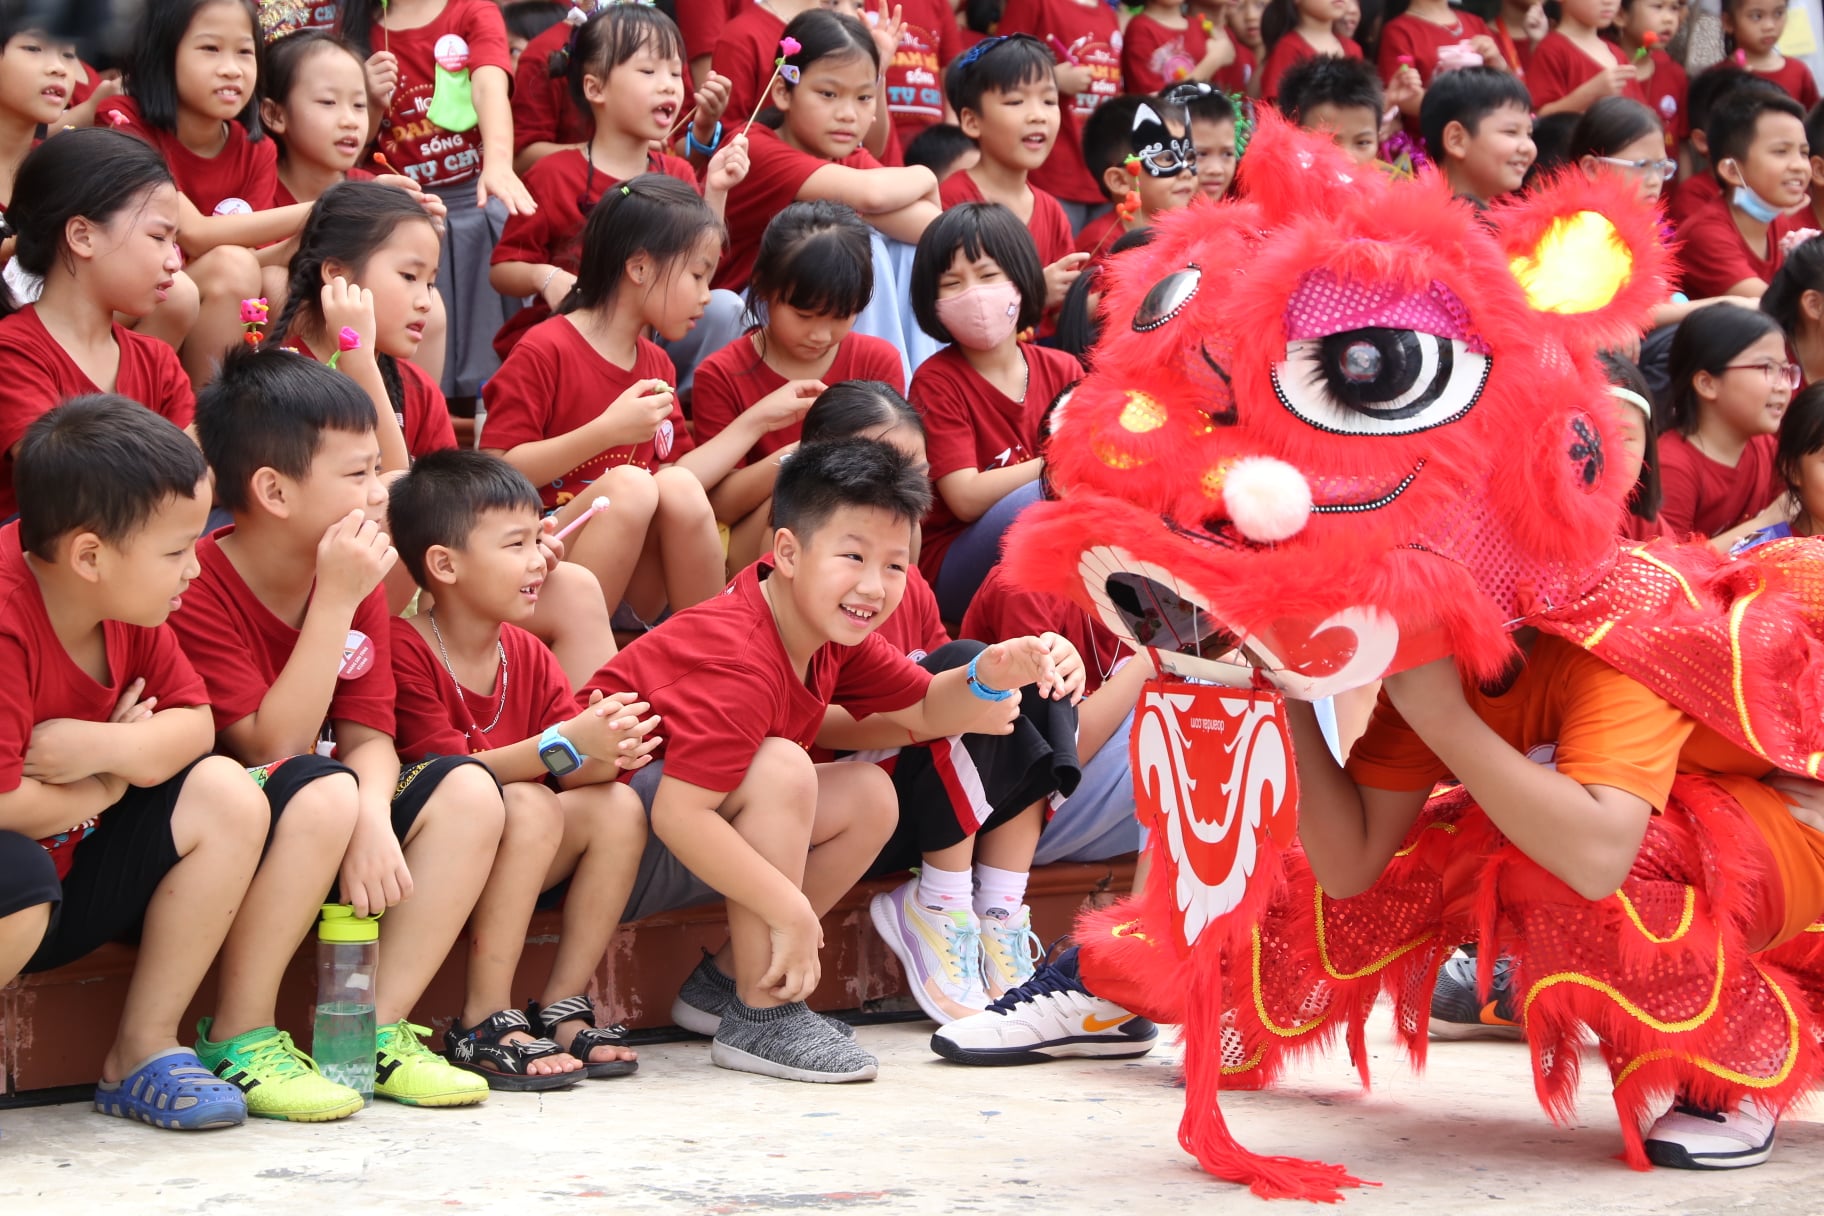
(417, 782)
(950, 790)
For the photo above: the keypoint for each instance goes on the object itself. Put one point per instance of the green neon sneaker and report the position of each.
(407, 1071)
(280, 1081)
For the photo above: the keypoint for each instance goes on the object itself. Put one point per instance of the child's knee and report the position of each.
(612, 818)
(327, 808)
(227, 271)
(782, 775)
(534, 817)
(681, 496)
(867, 803)
(632, 492)
(572, 599)
(222, 791)
(469, 795)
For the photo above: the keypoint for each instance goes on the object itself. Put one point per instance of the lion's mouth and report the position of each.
(1330, 496)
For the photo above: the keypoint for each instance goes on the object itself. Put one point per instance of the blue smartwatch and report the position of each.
(715, 141)
(982, 690)
(558, 754)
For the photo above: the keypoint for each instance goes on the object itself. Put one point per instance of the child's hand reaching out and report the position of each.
(728, 167)
(1067, 666)
(635, 415)
(784, 406)
(885, 27)
(612, 731)
(498, 180)
(1060, 275)
(794, 968)
(433, 206)
(382, 71)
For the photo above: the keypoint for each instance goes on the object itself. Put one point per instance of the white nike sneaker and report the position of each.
(1050, 1017)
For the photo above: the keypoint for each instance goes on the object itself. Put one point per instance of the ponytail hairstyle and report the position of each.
(1708, 340)
(614, 34)
(1802, 271)
(821, 34)
(152, 73)
(348, 224)
(847, 409)
(652, 214)
(285, 59)
(816, 257)
(92, 172)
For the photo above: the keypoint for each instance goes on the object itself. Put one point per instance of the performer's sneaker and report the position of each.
(1051, 1016)
(941, 951)
(1458, 1010)
(1687, 1138)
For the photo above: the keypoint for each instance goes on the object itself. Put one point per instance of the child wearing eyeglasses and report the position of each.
(1731, 384)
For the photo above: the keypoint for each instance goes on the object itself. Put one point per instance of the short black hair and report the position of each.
(1708, 340)
(822, 478)
(152, 78)
(268, 408)
(1199, 102)
(938, 147)
(612, 35)
(816, 256)
(1814, 129)
(975, 229)
(1609, 126)
(847, 409)
(1329, 80)
(1552, 135)
(529, 18)
(101, 464)
(1801, 434)
(1733, 123)
(439, 501)
(1467, 96)
(1802, 271)
(998, 65)
(1710, 86)
(1108, 136)
(93, 172)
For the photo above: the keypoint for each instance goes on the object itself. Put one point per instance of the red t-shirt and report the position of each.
(566, 191)
(736, 377)
(555, 382)
(1715, 256)
(239, 647)
(1664, 94)
(1422, 40)
(281, 17)
(543, 110)
(44, 682)
(745, 53)
(283, 197)
(701, 23)
(40, 375)
(970, 424)
(915, 628)
(466, 35)
(1796, 79)
(928, 41)
(1085, 32)
(436, 720)
(1290, 51)
(1003, 609)
(238, 179)
(1099, 236)
(1690, 196)
(1154, 56)
(1235, 77)
(719, 679)
(1517, 51)
(776, 173)
(425, 418)
(1050, 226)
(1702, 496)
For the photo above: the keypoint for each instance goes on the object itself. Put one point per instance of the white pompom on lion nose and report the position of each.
(1267, 500)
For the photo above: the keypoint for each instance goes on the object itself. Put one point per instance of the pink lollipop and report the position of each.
(600, 504)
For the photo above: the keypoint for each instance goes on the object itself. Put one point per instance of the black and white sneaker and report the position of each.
(1051, 1016)
(1688, 1138)
(706, 993)
(789, 1042)
(1458, 1010)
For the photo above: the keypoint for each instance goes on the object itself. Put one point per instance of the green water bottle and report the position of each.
(342, 1031)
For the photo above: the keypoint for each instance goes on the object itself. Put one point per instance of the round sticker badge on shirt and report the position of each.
(234, 206)
(661, 440)
(357, 656)
(451, 53)
(1668, 107)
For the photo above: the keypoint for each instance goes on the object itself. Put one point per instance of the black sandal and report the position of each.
(481, 1049)
(587, 1039)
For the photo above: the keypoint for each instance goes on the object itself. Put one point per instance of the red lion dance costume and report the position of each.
(1336, 429)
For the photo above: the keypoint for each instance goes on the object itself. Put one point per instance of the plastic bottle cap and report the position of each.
(340, 924)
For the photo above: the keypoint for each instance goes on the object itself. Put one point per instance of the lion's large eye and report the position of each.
(1167, 298)
(1379, 381)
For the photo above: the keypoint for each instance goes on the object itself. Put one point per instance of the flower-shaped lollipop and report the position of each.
(788, 46)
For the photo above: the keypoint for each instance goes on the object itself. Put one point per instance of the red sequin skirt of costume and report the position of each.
(1660, 971)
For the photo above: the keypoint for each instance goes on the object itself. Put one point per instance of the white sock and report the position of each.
(943, 890)
(999, 893)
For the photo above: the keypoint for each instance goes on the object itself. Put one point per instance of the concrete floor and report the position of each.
(686, 1137)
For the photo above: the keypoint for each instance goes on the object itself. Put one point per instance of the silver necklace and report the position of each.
(500, 706)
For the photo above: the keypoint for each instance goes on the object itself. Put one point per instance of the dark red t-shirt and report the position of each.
(1154, 56)
(1690, 196)
(970, 424)
(44, 682)
(776, 173)
(425, 418)
(467, 35)
(1702, 496)
(1796, 79)
(283, 197)
(745, 53)
(437, 720)
(239, 647)
(736, 377)
(1422, 40)
(555, 382)
(1050, 226)
(928, 41)
(543, 110)
(239, 179)
(1664, 93)
(1715, 256)
(1099, 236)
(565, 191)
(40, 375)
(1088, 33)
(719, 679)
(915, 628)
(1290, 51)
(1003, 609)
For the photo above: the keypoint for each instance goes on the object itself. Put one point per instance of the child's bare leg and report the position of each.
(449, 851)
(497, 930)
(20, 936)
(690, 548)
(774, 808)
(604, 835)
(429, 356)
(857, 810)
(750, 538)
(224, 276)
(218, 826)
(611, 543)
(275, 284)
(1011, 845)
(172, 320)
(299, 866)
(575, 621)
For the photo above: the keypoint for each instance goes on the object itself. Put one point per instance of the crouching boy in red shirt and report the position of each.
(472, 681)
(741, 683)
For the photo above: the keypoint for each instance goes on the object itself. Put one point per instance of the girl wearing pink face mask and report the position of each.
(977, 284)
